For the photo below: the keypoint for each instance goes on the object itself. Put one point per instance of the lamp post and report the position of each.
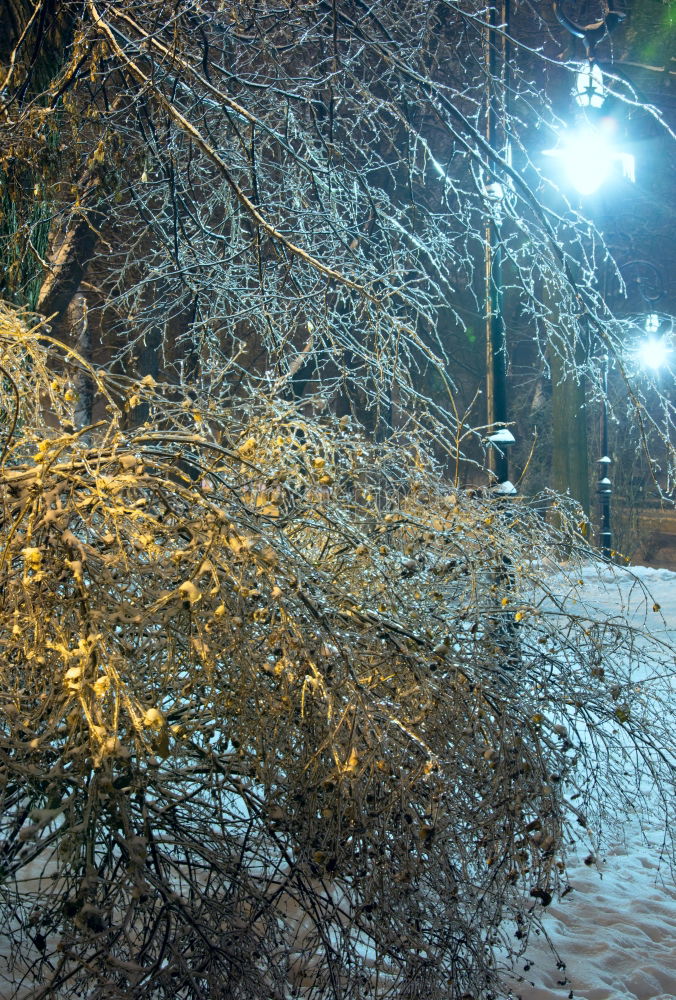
(589, 154)
(653, 352)
(500, 438)
(605, 486)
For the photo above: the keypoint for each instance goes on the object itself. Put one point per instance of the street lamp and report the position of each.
(589, 155)
(651, 343)
(590, 89)
(590, 150)
(654, 352)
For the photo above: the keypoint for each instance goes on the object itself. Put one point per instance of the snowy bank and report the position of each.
(616, 931)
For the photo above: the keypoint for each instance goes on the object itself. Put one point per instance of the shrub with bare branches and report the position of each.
(282, 713)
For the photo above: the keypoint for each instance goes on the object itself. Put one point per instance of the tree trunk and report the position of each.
(73, 252)
(82, 338)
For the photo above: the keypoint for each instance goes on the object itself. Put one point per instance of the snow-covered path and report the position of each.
(616, 931)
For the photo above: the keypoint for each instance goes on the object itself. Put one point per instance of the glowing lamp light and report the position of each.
(587, 161)
(589, 156)
(654, 353)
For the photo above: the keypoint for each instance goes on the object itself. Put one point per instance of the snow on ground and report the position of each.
(616, 931)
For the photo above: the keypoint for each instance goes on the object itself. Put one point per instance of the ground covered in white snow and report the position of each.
(616, 931)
